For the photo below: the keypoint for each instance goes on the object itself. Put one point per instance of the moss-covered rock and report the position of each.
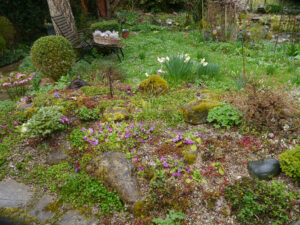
(116, 114)
(115, 171)
(189, 157)
(196, 111)
(154, 85)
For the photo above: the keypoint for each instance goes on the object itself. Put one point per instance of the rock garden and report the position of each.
(193, 117)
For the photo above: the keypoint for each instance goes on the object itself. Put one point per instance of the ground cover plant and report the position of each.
(120, 150)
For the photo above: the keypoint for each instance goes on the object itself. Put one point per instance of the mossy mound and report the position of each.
(154, 85)
(196, 111)
(115, 114)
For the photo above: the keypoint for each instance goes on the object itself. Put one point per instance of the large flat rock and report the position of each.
(74, 218)
(14, 194)
(116, 171)
(39, 210)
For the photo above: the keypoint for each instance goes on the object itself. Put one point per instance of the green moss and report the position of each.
(54, 206)
(290, 163)
(94, 90)
(189, 158)
(17, 215)
(196, 111)
(205, 105)
(115, 114)
(154, 85)
(139, 209)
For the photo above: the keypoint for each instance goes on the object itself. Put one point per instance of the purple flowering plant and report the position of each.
(173, 165)
(118, 136)
(191, 138)
(125, 88)
(16, 84)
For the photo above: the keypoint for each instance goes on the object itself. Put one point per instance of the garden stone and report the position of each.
(196, 112)
(39, 210)
(77, 84)
(14, 195)
(74, 218)
(25, 106)
(56, 157)
(264, 169)
(57, 154)
(115, 170)
(116, 114)
(296, 223)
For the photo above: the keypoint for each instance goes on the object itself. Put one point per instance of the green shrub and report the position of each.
(86, 114)
(257, 202)
(147, 27)
(7, 31)
(2, 45)
(173, 218)
(224, 116)
(111, 25)
(270, 69)
(12, 55)
(179, 67)
(46, 121)
(272, 8)
(53, 56)
(290, 163)
(160, 5)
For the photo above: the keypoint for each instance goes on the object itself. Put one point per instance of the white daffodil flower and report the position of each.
(205, 64)
(167, 58)
(161, 60)
(187, 59)
(146, 74)
(203, 60)
(161, 71)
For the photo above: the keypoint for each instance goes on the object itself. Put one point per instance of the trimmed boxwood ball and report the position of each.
(53, 56)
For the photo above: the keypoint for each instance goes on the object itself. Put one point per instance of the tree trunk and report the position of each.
(101, 4)
(108, 8)
(62, 7)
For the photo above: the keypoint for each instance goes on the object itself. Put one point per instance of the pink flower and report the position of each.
(6, 84)
(65, 120)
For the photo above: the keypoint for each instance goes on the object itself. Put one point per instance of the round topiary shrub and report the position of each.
(53, 56)
(7, 30)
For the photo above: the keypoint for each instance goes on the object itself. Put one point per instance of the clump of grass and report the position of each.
(211, 69)
(179, 67)
(271, 69)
